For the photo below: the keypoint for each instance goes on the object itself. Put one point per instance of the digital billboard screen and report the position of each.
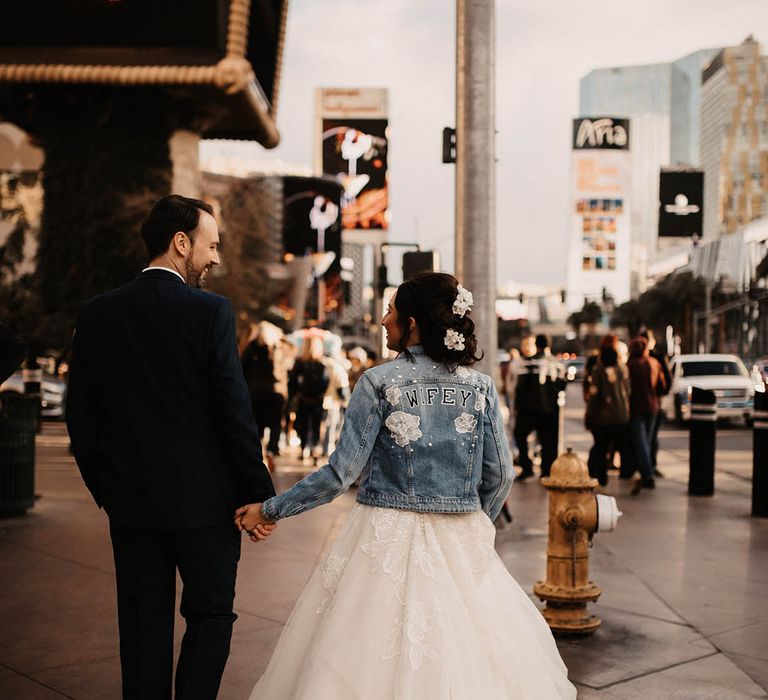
(354, 151)
(681, 203)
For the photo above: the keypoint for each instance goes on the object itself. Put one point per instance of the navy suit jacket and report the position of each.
(158, 411)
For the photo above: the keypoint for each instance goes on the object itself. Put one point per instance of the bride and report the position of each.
(412, 601)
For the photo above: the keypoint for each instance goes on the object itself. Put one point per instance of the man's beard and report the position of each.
(195, 278)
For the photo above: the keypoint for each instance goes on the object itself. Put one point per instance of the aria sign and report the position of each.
(600, 132)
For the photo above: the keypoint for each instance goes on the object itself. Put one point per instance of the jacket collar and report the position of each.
(414, 350)
(158, 273)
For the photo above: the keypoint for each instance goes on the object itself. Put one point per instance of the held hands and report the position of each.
(249, 519)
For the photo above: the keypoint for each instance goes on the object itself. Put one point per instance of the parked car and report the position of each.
(726, 375)
(54, 393)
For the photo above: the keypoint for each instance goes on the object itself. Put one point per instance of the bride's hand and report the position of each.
(249, 519)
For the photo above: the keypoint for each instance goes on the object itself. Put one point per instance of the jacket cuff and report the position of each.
(269, 509)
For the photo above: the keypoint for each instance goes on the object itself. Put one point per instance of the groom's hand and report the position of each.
(249, 519)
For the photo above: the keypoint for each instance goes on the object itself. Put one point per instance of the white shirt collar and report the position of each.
(167, 269)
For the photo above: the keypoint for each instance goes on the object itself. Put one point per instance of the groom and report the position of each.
(161, 426)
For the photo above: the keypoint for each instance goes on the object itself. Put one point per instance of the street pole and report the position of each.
(475, 248)
(707, 314)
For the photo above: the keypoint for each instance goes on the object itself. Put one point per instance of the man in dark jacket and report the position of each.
(162, 430)
(540, 379)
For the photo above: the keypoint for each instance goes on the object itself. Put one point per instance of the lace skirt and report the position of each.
(415, 606)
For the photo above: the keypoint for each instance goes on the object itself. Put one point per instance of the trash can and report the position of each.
(18, 426)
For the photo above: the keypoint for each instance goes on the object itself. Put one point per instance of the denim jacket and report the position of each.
(424, 437)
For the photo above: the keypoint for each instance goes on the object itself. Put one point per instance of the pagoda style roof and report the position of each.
(244, 106)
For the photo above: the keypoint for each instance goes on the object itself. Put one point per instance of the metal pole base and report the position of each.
(570, 619)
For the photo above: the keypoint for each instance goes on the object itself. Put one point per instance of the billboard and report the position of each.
(681, 203)
(312, 226)
(611, 133)
(352, 147)
(599, 256)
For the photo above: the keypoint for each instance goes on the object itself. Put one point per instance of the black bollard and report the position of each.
(701, 443)
(760, 455)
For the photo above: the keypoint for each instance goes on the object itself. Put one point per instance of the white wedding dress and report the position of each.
(414, 606)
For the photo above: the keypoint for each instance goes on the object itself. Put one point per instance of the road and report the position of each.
(733, 461)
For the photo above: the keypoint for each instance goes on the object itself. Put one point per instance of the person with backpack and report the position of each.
(307, 385)
(607, 411)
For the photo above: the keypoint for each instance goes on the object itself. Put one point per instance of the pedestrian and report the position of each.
(307, 384)
(607, 408)
(335, 399)
(412, 600)
(508, 386)
(539, 381)
(266, 401)
(12, 352)
(358, 363)
(162, 430)
(645, 375)
(663, 388)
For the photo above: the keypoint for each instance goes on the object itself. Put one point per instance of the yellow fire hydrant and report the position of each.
(575, 514)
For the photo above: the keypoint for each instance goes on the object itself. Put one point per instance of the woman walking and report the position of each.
(412, 600)
(646, 383)
(607, 412)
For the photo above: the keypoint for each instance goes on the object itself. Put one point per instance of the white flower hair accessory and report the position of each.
(453, 340)
(463, 301)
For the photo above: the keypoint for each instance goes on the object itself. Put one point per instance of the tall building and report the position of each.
(662, 103)
(734, 138)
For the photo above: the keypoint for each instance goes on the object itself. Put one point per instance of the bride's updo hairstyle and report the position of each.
(428, 298)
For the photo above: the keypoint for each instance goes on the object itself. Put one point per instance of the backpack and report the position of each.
(313, 380)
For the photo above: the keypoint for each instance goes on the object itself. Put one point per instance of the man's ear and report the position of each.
(411, 323)
(180, 242)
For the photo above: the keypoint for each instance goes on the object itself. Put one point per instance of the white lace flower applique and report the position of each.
(465, 423)
(463, 301)
(404, 427)
(331, 571)
(463, 372)
(412, 631)
(453, 340)
(393, 395)
(480, 403)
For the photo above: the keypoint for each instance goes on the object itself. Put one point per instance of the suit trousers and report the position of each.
(546, 428)
(608, 439)
(145, 568)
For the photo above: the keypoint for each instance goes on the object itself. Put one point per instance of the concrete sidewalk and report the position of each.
(684, 605)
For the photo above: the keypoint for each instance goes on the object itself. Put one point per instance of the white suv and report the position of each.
(726, 375)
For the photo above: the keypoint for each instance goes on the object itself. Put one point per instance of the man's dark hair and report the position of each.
(169, 215)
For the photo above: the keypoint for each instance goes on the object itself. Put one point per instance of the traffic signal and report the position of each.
(449, 145)
(418, 261)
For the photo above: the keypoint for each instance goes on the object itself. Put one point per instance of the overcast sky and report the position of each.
(543, 49)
